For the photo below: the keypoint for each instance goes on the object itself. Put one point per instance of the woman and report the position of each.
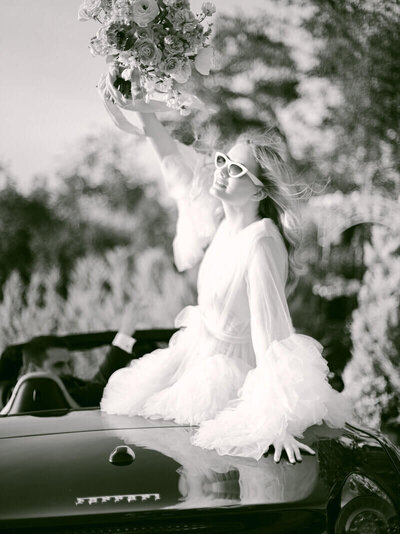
(237, 369)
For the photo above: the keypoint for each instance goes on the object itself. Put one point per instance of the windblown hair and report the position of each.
(281, 202)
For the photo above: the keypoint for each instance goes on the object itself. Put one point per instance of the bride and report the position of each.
(237, 368)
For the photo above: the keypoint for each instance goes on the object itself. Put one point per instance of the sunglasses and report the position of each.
(235, 169)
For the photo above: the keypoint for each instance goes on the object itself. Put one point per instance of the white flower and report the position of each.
(147, 52)
(144, 11)
(204, 60)
(127, 74)
(178, 69)
(208, 8)
(89, 9)
(183, 73)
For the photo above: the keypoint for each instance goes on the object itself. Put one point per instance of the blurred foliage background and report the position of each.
(325, 75)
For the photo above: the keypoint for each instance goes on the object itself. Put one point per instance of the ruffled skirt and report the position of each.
(241, 408)
(188, 382)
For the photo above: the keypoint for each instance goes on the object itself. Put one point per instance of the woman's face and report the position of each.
(236, 191)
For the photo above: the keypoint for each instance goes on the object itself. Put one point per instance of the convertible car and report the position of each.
(77, 470)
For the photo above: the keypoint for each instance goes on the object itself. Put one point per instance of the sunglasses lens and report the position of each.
(235, 170)
(220, 160)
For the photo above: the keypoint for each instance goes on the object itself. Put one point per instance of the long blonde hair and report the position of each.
(281, 202)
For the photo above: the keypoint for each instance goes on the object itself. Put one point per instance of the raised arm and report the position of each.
(162, 142)
(176, 172)
(187, 180)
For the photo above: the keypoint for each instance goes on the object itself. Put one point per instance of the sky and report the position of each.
(48, 95)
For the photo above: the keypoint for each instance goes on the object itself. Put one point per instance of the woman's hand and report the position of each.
(119, 118)
(113, 101)
(129, 319)
(292, 448)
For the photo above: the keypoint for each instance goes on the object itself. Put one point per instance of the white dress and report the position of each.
(237, 368)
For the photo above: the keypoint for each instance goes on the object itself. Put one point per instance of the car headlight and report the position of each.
(365, 508)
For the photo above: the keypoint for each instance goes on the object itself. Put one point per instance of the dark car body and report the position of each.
(85, 471)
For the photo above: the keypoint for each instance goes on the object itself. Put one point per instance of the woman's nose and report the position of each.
(224, 172)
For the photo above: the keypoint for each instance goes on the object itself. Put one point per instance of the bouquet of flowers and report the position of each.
(151, 48)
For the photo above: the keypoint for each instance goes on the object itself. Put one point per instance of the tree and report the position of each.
(255, 77)
(358, 53)
(101, 203)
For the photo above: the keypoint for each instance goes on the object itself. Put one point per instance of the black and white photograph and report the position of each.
(200, 266)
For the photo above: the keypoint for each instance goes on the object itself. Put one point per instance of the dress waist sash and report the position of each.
(192, 315)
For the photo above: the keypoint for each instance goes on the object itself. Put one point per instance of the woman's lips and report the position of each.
(220, 184)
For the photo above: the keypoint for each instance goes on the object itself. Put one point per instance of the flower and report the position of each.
(208, 8)
(189, 26)
(144, 11)
(181, 4)
(177, 4)
(143, 33)
(120, 36)
(127, 74)
(195, 39)
(147, 52)
(204, 60)
(98, 44)
(179, 69)
(177, 18)
(89, 9)
(173, 44)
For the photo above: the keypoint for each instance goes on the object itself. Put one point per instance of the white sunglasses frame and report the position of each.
(245, 170)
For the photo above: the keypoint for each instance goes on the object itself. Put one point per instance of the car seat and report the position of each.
(37, 392)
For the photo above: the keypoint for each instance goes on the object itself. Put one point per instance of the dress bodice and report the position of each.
(223, 277)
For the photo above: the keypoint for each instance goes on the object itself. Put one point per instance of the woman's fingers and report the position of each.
(119, 119)
(292, 448)
(278, 452)
(297, 453)
(290, 454)
(305, 448)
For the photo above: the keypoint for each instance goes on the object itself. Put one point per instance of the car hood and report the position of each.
(60, 466)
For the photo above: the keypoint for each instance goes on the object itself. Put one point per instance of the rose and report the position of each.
(143, 33)
(173, 45)
(208, 8)
(89, 9)
(120, 36)
(147, 52)
(178, 19)
(204, 60)
(179, 69)
(144, 11)
(190, 22)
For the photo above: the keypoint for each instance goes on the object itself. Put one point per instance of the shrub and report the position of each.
(373, 376)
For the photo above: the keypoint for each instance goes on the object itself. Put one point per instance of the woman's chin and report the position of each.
(217, 191)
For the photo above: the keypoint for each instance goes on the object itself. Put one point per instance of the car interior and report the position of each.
(40, 392)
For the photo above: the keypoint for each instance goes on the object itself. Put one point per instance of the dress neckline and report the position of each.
(256, 223)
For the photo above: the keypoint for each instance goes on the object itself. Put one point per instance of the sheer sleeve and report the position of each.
(188, 178)
(288, 390)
